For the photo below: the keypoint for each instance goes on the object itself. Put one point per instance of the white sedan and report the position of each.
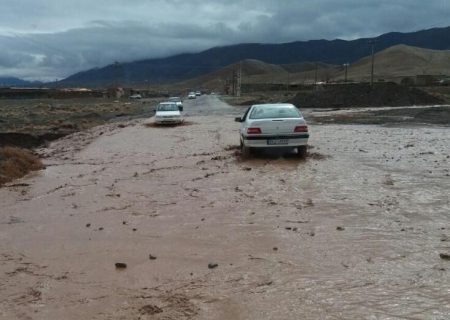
(192, 95)
(168, 113)
(135, 96)
(178, 101)
(271, 126)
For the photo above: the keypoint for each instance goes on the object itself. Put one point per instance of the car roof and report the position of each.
(274, 105)
(167, 102)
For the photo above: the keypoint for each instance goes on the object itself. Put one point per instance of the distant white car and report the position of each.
(178, 101)
(168, 113)
(271, 126)
(135, 96)
(192, 95)
(198, 93)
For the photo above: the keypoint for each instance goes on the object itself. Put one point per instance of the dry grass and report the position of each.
(17, 162)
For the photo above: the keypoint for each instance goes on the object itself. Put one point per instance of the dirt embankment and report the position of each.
(27, 140)
(260, 97)
(30, 123)
(349, 95)
(16, 163)
(429, 115)
(362, 95)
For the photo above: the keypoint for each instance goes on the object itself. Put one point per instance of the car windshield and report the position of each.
(271, 112)
(167, 107)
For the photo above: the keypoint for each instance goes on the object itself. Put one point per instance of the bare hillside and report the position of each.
(255, 71)
(401, 60)
(391, 64)
(250, 69)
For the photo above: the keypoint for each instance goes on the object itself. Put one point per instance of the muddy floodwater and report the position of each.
(135, 221)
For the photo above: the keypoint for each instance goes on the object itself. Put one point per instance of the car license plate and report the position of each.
(277, 141)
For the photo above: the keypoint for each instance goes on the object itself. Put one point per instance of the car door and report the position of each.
(244, 124)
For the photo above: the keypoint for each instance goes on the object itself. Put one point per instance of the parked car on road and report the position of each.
(198, 93)
(192, 95)
(178, 101)
(168, 113)
(272, 126)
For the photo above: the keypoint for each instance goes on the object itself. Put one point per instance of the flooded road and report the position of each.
(359, 230)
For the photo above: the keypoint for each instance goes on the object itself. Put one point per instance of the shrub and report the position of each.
(17, 162)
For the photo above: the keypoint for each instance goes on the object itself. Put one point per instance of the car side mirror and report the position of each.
(238, 119)
(180, 108)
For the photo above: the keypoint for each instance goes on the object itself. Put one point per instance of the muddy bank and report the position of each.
(431, 115)
(345, 96)
(30, 123)
(16, 163)
(362, 95)
(26, 140)
(249, 99)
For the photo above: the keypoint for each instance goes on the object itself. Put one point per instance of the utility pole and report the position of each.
(288, 81)
(346, 67)
(234, 82)
(239, 80)
(372, 43)
(315, 76)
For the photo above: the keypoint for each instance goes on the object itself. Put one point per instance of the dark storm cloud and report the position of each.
(51, 39)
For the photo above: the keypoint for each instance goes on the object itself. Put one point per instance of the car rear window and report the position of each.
(267, 112)
(167, 107)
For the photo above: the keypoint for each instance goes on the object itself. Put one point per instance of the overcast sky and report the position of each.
(48, 39)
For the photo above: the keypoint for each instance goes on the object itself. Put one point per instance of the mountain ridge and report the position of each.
(392, 64)
(190, 65)
(17, 82)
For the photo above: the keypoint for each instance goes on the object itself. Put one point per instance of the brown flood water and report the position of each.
(355, 231)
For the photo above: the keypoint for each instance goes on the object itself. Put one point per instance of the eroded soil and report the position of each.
(358, 230)
(30, 123)
(406, 116)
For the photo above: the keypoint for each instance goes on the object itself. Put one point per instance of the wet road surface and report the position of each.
(359, 230)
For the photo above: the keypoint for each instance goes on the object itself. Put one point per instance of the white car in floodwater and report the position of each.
(135, 96)
(273, 126)
(168, 113)
(192, 95)
(178, 101)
